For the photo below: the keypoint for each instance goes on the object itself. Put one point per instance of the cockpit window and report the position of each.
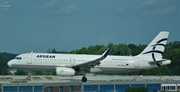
(18, 58)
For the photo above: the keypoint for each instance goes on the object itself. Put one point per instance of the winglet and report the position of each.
(106, 53)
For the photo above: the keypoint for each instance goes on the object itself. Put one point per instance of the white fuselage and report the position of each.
(111, 64)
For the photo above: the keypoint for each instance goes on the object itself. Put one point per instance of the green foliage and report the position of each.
(3, 65)
(52, 50)
(163, 91)
(136, 89)
(129, 89)
(135, 50)
(44, 73)
(120, 49)
(54, 73)
(8, 56)
(90, 50)
(38, 73)
(21, 72)
(154, 90)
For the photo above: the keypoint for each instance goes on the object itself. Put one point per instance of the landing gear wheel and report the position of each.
(84, 79)
(29, 77)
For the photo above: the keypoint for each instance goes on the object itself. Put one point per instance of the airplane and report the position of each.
(76, 64)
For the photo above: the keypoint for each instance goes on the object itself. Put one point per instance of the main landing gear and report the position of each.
(84, 79)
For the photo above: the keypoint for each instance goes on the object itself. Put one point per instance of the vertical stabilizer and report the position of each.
(156, 48)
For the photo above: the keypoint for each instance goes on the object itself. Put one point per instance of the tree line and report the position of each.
(172, 52)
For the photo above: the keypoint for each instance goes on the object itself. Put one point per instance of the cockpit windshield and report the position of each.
(18, 58)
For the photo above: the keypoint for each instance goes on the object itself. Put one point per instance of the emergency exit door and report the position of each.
(136, 62)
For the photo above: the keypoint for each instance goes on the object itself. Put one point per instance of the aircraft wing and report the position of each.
(86, 66)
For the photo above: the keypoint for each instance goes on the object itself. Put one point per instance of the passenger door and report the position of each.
(29, 59)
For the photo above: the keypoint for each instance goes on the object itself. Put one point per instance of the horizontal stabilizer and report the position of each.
(157, 62)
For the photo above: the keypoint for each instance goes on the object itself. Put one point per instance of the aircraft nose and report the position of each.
(9, 63)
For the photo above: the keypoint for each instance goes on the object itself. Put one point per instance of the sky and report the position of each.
(66, 25)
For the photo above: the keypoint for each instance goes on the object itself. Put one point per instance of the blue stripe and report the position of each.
(154, 51)
(159, 44)
(158, 64)
(153, 57)
(164, 39)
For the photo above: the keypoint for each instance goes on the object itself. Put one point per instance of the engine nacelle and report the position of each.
(63, 71)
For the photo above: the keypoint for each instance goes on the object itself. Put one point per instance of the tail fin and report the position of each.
(156, 48)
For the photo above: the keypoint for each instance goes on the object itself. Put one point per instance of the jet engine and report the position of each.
(63, 71)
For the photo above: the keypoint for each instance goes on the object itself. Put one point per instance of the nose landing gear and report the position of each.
(29, 77)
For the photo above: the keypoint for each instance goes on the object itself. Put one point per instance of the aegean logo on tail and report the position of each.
(158, 43)
(154, 47)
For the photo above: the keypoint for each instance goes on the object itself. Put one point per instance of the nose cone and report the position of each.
(9, 63)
